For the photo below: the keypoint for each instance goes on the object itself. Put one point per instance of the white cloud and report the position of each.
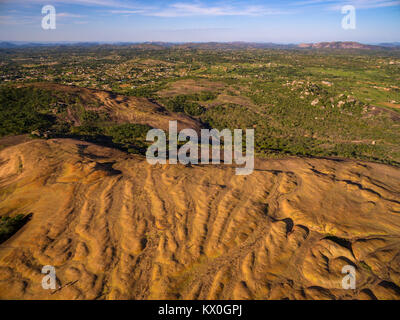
(126, 11)
(17, 20)
(99, 3)
(69, 15)
(358, 4)
(371, 4)
(190, 9)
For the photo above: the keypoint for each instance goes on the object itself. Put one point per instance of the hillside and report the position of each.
(338, 45)
(235, 45)
(119, 108)
(45, 110)
(116, 228)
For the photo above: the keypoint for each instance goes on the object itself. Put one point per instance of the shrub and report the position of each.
(206, 96)
(194, 109)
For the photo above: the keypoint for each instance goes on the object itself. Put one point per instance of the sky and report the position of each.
(278, 21)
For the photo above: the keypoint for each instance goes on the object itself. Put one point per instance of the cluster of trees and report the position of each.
(23, 110)
(128, 137)
(185, 103)
(131, 137)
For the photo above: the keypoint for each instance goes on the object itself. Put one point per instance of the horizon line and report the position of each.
(197, 42)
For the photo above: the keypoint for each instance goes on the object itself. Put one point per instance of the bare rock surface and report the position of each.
(115, 227)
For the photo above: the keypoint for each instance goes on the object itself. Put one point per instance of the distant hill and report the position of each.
(5, 45)
(12, 44)
(234, 45)
(207, 45)
(338, 45)
(390, 44)
(155, 45)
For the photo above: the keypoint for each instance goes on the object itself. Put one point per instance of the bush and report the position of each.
(194, 109)
(206, 96)
(90, 117)
(176, 104)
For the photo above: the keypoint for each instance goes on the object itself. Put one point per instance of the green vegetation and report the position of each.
(26, 110)
(128, 137)
(131, 137)
(327, 103)
(10, 225)
(23, 110)
(366, 266)
(184, 104)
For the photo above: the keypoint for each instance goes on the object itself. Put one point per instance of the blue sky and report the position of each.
(280, 21)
